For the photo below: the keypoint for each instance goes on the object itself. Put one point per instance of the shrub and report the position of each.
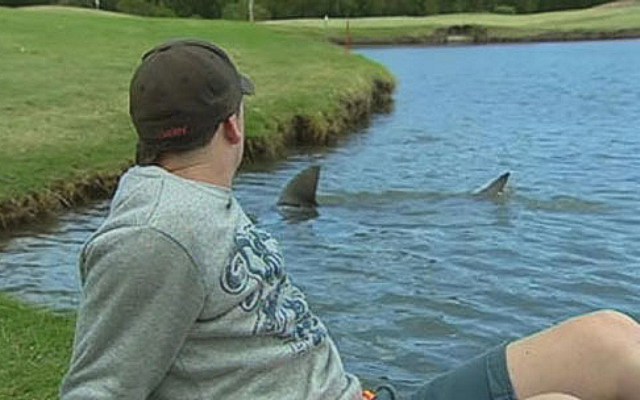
(78, 3)
(104, 4)
(503, 9)
(21, 3)
(145, 8)
(234, 11)
(240, 11)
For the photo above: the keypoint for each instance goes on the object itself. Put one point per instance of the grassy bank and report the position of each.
(617, 20)
(34, 348)
(64, 104)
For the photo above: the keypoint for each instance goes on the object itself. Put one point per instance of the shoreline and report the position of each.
(445, 40)
(309, 125)
(301, 130)
(618, 20)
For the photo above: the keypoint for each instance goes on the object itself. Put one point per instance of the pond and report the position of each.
(410, 271)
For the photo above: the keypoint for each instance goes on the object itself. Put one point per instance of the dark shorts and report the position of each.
(483, 378)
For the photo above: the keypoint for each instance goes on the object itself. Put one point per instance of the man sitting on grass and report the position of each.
(184, 298)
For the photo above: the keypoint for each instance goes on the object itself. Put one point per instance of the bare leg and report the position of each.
(593, 357)
(553, 396)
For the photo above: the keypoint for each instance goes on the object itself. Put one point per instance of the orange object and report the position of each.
(368, 395)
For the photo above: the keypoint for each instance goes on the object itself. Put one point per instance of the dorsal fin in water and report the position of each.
(301, 189)
(494, 188)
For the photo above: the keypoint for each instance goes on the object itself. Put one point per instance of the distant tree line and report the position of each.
(361, 8)
(276, 9)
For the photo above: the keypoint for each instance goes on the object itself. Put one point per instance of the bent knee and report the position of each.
(610, 319)
(606, 330)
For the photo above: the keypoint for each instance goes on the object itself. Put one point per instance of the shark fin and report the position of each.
(301, 189)
(495, 187)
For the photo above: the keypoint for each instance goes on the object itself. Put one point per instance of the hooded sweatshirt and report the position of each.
(183, 298)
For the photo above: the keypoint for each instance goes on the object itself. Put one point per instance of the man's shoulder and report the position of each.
(188, 213)
(152, 197)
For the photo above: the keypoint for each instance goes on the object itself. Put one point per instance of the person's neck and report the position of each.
(201, 169)
(204, 173)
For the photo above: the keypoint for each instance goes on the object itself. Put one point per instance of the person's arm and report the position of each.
(142, 294)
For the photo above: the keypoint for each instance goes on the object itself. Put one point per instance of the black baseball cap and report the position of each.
(180, 93)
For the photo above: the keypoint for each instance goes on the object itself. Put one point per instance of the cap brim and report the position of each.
(246, 85)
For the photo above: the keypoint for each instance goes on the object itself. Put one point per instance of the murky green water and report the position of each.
(410, 272)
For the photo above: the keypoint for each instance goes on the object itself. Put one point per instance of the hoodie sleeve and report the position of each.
(142, 294)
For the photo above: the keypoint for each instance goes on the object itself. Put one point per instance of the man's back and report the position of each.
(187, 299)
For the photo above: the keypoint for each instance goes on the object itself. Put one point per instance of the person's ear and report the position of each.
(232, 129)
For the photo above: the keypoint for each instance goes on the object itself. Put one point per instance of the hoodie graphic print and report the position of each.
(281, 309)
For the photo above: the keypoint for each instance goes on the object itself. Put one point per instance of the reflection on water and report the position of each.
(409, 270)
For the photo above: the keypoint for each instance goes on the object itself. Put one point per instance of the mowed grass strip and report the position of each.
(35, 346)
(66, 72)
(613, 18)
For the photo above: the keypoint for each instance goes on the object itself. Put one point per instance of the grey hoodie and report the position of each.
(184, 298)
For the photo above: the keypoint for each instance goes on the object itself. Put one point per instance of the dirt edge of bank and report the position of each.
(477, 35)
(302, 130)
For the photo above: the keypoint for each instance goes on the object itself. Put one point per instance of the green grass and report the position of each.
(35, 346)
(597, 20)
(65, 75)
